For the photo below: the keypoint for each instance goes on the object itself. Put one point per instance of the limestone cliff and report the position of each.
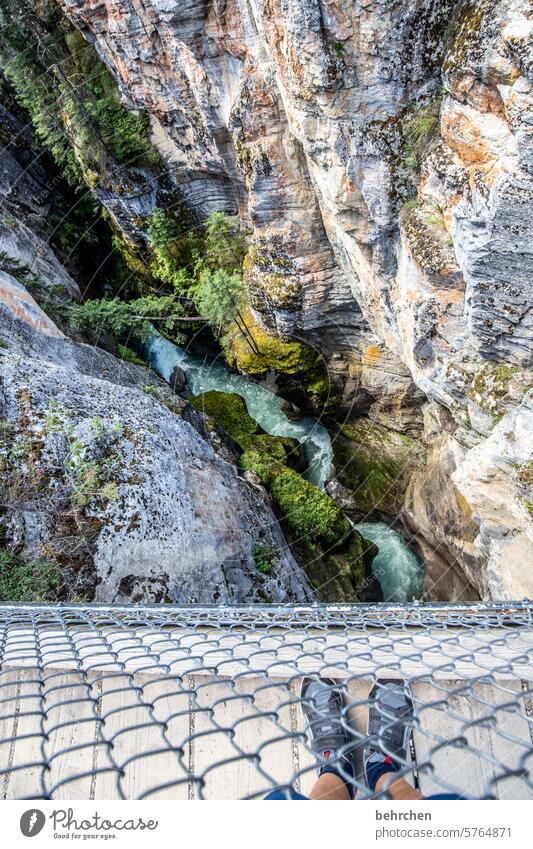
(108, 474)
(381, 154)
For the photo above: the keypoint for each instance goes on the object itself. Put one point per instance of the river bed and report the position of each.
(397, 568)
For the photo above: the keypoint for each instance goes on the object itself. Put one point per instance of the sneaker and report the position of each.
(322, 704)
(390, 721)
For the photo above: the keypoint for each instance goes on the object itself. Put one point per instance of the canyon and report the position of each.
(379, 158)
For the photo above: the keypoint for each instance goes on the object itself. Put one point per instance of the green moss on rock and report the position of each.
(262, 351)
(307, 510)
(495, 386)
(336, 558)
(229, 410)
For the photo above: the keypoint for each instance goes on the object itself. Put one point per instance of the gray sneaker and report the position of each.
(322, 704)
(390, 723)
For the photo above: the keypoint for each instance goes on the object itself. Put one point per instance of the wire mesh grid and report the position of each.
(194, 702)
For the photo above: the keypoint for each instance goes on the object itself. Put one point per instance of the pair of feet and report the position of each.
(390, 712)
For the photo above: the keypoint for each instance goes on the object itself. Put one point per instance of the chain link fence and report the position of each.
(169, 702)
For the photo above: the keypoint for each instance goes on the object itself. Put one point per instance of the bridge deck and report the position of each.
(95, 709)
(253, 728)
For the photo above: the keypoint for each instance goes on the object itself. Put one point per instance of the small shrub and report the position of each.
(419, 131)
(27, 580)
(149, 389)
(129, 356)
(265, 557)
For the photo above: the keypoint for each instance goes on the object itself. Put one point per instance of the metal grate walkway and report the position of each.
(192, 702)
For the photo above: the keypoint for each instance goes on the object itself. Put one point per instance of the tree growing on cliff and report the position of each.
(119, 318)
(172, 251)
(220, 297)
(218, 290)
(212, 275)
(225, 244)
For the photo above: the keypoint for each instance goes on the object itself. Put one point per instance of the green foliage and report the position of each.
(119, 317)
(339, 49)
(129, 356)
(163, 231)
(24, 68)
(218, 293)
(266, 557)
(207, 265)
(71, 97)
(15, 268)
(150, 389)
(219, 297)
(173, 251)
(30, 580)
(86, 479)
(229, 410)
(419, 131)
(411, 203)
(309, 512)
(225, 245)
(336, 558)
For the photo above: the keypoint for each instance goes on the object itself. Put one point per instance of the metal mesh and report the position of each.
(171, 702)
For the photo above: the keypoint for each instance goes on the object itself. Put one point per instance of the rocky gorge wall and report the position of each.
(381, 155)
(109, 474)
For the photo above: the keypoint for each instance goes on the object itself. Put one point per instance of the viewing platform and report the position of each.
(170, 702)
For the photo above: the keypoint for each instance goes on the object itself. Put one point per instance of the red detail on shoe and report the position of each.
(326, 756)
(388, 760)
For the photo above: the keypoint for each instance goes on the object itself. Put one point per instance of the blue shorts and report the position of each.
(292, 796)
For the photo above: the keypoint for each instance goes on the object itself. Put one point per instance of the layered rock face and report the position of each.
(26, 192)
(381, 154)
(110, 475)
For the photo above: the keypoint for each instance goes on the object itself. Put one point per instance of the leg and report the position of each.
(390, 715)
(398, 788)
(331, 787)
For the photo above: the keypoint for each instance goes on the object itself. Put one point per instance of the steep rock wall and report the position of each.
(120, 482)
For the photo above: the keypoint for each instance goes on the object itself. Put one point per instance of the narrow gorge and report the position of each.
(266, 275)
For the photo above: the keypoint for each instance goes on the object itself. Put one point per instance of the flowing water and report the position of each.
(397, 568)
(264, 406)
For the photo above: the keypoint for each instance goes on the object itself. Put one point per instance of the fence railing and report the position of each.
(204, 702)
